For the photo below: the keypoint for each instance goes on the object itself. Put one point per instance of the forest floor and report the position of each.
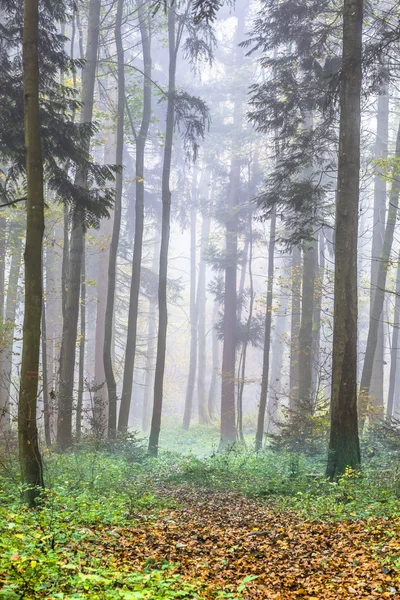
(227, 542)
(113, 524)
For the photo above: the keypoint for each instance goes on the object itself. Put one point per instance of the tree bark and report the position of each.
(212, 392)
(194, 315)
(112, 265)
(151, 345)
(46, 396)
(82, 348)
(29, 454)
(306, 327)
(294, 330)
(70, 324)
(15, 241)
(204, 417)
(378, 232)
(165, 231)
(379, 295)
(267, 336)
(344, 447)
(394, 354)
(145, 33)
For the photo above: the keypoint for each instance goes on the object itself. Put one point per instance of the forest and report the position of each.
(199, 299)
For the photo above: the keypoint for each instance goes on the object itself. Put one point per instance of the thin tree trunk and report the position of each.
(46, 398)
(379, 295)
(112, 265)
(316, 346)
(378, 232)
(29, 454)
(294, 330)
(267, 335)
(212, 392)
(204, 417)
(165, 231)
(394, 355)
(3, 397)
(70, 324)
(15, 241)
(145, 32)
(151, 346)
(344, 447)
(275, 380)
(194, 315)
(82, 347)
(306, 327)
(242, 374)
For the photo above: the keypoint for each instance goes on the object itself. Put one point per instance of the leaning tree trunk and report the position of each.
(112, 265)
(267, 335)
(194, 316)
(139, 224)
(379, 296)
(378, 232)
(394, 355)
(29, 454)
(344, 447)
(165, 230)
(70, 324)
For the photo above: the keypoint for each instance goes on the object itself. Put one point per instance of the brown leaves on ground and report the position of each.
(220, 538)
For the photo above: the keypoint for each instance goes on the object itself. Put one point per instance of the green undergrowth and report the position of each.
(58, 550)
(298, 483)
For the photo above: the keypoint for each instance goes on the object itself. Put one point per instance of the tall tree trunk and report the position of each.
(15, 242)
(29, 454)
(3, 398)
(306, 327)
(228, 370)
(204, 417)
(112, 265)
(165, 230)
(378, 232)
(194, 315)
(344, 447)
(46, 396)
(151, 346)
(145, 32)
(212, 392)
(394, 354)
(379, 295)
(70, 324)
(275, 380)
(316, 345)
(267, 335)
(294, 330)
(242, 373)
(82, 347)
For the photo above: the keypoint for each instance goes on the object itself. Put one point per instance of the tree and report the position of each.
(112, 265)
(140, 139)
(70, 323)
(267, 336)
(30, 458)
(192, 115)
(344, 448)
